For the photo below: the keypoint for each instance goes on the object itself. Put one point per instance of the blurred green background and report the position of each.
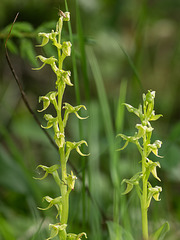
(122, 48)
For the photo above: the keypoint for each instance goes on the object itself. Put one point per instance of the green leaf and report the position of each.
(27, 51)
(161, 232)
(46, 27)
(12, 47)
(14, 32)
(18, 29)
(120, 108)
(117, 232)
(6, 230)
(23, 27)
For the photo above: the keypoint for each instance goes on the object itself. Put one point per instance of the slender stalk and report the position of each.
(63, 188)
(144, 211)
(64, 194)
(144, 208)
(60, 25)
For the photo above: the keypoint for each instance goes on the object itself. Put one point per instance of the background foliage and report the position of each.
(121, 49)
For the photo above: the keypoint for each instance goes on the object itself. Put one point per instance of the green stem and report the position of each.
(144, 208)
(64, 193)
(63, 187)
(61, 89)
(59, 41)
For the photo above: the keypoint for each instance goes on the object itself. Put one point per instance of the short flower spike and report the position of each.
(142, 139)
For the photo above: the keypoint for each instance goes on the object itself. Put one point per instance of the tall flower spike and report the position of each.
(64, 180)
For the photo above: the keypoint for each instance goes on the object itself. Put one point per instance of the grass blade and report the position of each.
(78, 100)
(105, 112)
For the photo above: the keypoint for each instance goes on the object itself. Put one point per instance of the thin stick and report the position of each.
(20, 86)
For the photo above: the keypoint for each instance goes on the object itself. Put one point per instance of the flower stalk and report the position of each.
(64, 180)
(142, 139)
